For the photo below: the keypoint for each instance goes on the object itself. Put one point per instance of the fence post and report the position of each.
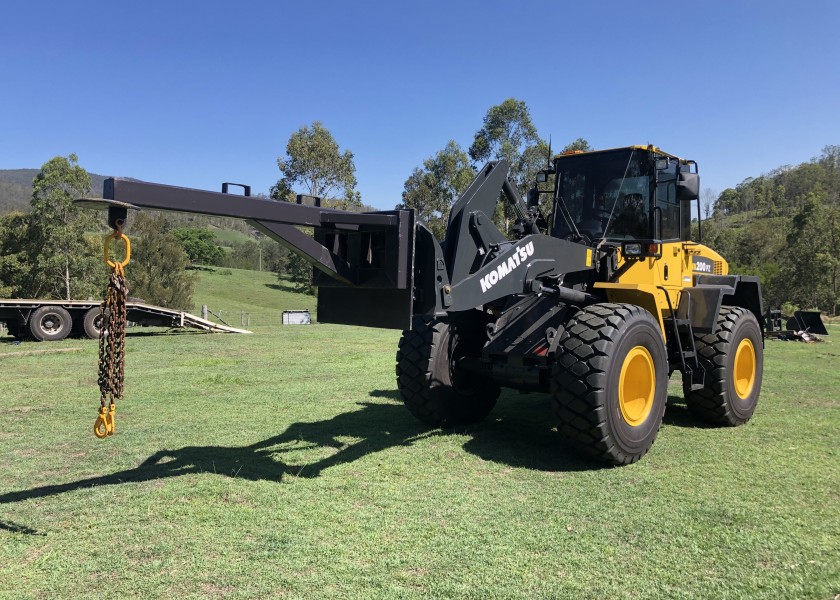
(204, 311)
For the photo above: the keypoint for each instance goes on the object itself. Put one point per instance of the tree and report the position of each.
(811, 270)
(263, 255)
(15, 264)
(728, 202)
(313, 160)
(300, 272)
(432, 190)
(579, 145)
(274, 257)
(157, 272)
(200, 245)
(65, 264)
(707, 202)
(509, 133)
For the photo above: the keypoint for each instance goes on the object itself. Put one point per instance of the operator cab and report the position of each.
(635, 193)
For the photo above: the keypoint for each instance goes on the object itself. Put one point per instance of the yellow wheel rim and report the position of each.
(636, 386)
(744, 370)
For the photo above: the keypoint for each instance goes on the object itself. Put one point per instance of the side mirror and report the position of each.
(662, 163)
(688, 186)
(533, 198)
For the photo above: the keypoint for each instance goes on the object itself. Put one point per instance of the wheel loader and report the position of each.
(596, 303)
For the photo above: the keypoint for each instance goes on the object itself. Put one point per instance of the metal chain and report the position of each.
(112, 346)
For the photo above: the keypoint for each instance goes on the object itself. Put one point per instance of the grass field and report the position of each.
(260, 295)
(282, 464)
(227, 237)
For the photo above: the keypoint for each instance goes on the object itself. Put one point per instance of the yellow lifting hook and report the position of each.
(104, 425)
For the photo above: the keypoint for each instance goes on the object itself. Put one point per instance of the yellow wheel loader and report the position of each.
(596, 303)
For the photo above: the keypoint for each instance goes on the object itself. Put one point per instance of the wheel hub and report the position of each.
(50, 323)
(744, 369)
(636, 386)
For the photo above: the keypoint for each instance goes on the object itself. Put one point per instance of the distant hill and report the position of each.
(16, 188)
(784, 226)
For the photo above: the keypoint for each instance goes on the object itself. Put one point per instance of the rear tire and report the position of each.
(734, 361)
(610, 382)
(431, 386)
(92, 323)
(50, 323)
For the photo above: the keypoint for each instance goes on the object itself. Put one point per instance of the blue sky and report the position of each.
(196, 93)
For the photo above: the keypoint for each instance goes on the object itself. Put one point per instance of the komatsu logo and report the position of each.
(519, 256)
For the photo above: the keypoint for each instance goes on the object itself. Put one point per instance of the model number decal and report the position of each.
(519, 256)
(703, 265)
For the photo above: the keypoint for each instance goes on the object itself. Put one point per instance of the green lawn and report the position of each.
(282, 464)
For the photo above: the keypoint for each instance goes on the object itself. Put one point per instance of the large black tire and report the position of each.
(610, 382)
(431, 386)
(92, 323)
(733, 359)
(50, 323)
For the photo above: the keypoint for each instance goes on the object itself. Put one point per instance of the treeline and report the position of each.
(51, 249)
(507, 132)
(14, 197)
(54, 250)
(784, 226)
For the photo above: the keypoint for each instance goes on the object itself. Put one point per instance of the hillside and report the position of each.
(16, 188)
(258, 294)
(784, 226)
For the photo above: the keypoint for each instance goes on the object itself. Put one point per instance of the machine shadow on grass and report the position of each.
(678, 415)
(515, 434)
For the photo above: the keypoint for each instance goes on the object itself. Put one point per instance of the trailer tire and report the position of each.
(431, 388)
(92, 323)
(610, 382)
(50, 323)
(733, 358)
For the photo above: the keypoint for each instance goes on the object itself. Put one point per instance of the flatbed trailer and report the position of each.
(50, 320)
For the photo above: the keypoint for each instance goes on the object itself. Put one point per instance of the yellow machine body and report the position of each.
(656, 283)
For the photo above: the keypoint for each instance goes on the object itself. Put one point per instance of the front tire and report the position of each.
(432, 387)
(733, 359)
(610, 382)
(50, 323)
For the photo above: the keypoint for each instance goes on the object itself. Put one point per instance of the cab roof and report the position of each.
(650, 147)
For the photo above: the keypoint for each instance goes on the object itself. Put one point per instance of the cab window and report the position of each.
(666, 202)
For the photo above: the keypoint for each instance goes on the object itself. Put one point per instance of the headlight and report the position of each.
(632, 250)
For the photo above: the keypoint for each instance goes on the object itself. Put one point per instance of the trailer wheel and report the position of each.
(610, 382)
(50, 323)
(92, 323)
(734, 362)
(432, 387)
